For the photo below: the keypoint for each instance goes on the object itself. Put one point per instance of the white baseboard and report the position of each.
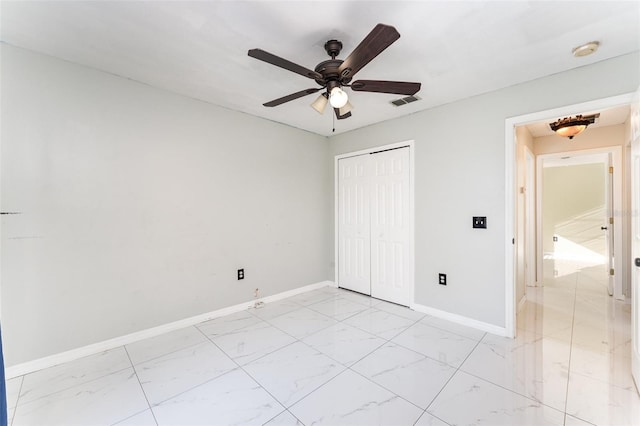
(459, 319)
(71, 355)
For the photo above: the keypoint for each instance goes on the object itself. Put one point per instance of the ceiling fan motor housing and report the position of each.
(329, 71)
(333, 48)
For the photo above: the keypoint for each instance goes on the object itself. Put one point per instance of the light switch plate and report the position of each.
(480, 222)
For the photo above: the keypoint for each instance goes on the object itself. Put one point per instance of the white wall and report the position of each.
(138, 206)
(460, 173)
(568, 194)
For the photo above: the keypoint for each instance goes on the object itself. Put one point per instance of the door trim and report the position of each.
(510, 188)
(531, 272)
(410, 144)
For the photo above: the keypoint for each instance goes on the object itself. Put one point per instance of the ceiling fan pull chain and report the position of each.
(333, 119)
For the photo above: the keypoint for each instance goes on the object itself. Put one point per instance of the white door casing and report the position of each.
(530, 219)
(635, 241)
(354, 224)
(390, 225)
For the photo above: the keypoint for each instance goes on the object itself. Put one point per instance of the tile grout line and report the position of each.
(165, 353)
(73, 386)
(347, 367)
(454, 373)
(15, 406)
(573, 322)
(141, 388)
(387, 341)
(240, 367)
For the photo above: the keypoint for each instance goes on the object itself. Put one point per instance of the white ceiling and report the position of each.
(456, 49)
(608, 117)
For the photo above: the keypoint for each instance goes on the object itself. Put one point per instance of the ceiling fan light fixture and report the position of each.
(345, 109)
(569, 127)
(320, 103)
(338, 98)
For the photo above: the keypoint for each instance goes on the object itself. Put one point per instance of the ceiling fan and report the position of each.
(334, 74)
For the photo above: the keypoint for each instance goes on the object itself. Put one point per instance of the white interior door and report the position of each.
(635, 244)
(354, 224)
(390, 226)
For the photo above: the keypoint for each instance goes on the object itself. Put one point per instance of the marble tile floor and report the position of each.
(332, 357)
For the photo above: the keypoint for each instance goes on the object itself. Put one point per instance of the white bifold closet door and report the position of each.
(373, 225)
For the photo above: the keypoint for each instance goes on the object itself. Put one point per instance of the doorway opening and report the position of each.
(515, 179)
(576, 203)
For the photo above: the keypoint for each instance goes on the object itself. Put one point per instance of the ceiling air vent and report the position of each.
(404, 101)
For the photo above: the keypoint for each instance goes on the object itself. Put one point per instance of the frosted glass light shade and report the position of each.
(338, 98)
(320, 104)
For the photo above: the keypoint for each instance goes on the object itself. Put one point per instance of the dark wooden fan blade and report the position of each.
(341, 117)
(283, 63)
(291, 97)
(381, 37)
(381, 86)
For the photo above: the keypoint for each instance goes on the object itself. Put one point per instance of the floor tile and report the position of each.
(359, 298)
(401, 311)
(141, 419)
(64, 376)
(338, 308)
(604, 366)
(147, 349)
(229, 323)
(537, 369)
(429, 420)
(302, 322)
(293, 372)
(382, 324)
(602, 337)
(250, 343)
(452, 327)
(344, 343)
(437, 344)
(350, 399)
(545, 321)
(313, 296)
(284, 419)
(232, 399)
(106, 400)
(601, 403)
(174, 373)
(13, 391)
(467, 400)
(573, 421)
(413, 376)
(274, 309)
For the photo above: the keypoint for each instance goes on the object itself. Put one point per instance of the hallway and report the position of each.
(571, 325)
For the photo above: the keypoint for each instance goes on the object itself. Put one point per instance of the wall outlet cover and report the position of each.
(442, 279)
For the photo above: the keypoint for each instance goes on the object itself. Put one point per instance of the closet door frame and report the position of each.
(410, 145)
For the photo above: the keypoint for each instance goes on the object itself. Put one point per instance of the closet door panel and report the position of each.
(390, 227)
(354, 243)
